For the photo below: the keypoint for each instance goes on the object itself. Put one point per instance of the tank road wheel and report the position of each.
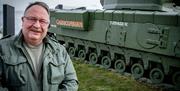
(82, 54)
(93, 58)
(156, 75)
(106, 62)
(176, 78)
(137, 70)
(120, 66)
(71, 51)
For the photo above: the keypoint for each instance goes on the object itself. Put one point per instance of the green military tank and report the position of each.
(137, 36)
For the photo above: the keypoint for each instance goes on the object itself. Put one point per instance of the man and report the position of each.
(33, 61)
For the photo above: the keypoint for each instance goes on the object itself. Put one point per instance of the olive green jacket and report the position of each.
(17, 72)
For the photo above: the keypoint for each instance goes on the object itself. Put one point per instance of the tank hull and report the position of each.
(141, 41)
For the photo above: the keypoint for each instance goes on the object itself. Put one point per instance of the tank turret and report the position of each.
(132, 4)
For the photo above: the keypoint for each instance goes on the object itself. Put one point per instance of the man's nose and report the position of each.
(37, 24)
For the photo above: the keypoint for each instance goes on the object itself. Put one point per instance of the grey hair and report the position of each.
(42, 4)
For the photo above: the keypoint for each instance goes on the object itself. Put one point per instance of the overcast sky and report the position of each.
(21, 4)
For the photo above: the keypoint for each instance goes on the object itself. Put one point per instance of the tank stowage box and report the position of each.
(71, 19)
(127, 35)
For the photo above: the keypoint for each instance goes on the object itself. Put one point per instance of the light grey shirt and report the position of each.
(35, 52)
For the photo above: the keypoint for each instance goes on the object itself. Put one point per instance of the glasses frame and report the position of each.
(33, 20)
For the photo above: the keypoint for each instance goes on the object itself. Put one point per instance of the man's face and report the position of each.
(35, 25)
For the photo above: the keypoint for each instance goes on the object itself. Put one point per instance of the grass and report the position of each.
(93, 78)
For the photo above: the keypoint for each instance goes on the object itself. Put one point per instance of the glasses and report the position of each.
(33, 20)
